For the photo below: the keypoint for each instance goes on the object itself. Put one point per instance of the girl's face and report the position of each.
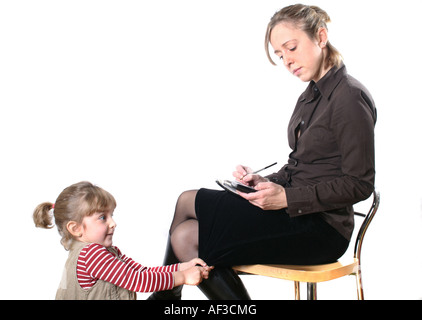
(302, 56)
(98, 228)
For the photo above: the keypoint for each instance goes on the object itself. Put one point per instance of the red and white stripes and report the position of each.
(95, 263)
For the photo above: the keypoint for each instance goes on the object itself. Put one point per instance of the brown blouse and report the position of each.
(332, 163)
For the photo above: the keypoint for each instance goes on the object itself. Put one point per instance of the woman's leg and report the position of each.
(223, 282)
(176, 292)
(183, 238)
(184, 228)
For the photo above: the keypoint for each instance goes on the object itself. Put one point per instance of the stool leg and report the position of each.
(312, 291)
(359, 284)
(297, 290)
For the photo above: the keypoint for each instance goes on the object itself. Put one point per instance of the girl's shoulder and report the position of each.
(94, 245)
(94, 249)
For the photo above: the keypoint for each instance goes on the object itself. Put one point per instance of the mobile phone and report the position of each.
(242, 187)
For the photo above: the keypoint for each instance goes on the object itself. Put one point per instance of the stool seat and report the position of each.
(311, 273)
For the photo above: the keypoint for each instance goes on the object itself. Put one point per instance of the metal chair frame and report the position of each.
(319, 273)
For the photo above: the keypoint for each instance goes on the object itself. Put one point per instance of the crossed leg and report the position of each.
(184, 228)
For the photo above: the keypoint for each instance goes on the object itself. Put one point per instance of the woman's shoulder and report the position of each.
(351, 86)
(352, 100)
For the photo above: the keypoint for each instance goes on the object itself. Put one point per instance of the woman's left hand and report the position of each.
(270, 196)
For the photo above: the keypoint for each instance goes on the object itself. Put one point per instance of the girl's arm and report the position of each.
(101, 264)
(137, 266)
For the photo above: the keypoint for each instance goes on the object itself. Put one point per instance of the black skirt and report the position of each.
(234, 232)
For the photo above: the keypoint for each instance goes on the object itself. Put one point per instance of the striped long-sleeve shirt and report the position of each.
(95, 263)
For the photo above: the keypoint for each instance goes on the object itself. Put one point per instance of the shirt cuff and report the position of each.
(298, 201)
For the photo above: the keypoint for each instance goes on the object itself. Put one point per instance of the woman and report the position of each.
(302, 214)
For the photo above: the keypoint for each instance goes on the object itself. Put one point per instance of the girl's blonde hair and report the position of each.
(309, 19)
(73, 204)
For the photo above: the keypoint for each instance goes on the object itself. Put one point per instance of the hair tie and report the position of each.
(52, 207)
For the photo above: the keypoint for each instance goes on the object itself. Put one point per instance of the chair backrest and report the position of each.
(365, 224)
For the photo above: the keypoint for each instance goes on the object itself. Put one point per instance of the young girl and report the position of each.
(95, 269)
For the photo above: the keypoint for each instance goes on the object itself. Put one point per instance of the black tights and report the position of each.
(184, 228)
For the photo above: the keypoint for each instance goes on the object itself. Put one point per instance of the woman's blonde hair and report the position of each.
(309, 19)
(73, 204)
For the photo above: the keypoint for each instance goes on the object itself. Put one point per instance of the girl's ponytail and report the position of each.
(43, 217)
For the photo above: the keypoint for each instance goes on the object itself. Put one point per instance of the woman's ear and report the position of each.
(74, 228)
(322, 37)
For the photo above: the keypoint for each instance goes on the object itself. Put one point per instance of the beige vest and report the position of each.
(70, 289)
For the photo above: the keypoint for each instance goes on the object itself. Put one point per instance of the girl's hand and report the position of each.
(190, 273)
(193, 276)
(270, 196)
(192, 263)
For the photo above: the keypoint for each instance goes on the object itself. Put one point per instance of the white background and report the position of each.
(138, 97)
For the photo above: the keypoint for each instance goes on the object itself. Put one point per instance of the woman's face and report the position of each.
(302, 56)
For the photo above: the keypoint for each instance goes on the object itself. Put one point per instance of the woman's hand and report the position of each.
(269, 195)
(245, 175)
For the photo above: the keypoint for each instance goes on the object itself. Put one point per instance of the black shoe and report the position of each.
(173, 294)
(224, 284)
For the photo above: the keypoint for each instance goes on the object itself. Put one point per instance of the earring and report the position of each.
(323, 44)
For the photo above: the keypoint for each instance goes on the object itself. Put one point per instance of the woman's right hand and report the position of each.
(245, 175)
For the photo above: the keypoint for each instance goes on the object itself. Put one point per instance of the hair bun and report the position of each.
(322, 14)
